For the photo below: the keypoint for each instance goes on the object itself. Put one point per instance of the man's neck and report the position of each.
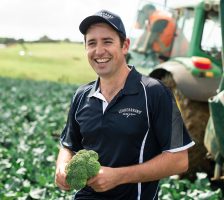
(111, 86)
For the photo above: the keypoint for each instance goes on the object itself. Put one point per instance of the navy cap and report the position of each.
(103, 16)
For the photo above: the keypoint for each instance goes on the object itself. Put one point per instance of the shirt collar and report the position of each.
(95, 88)
(131, 85)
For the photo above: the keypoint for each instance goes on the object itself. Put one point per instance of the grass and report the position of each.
(58, 62)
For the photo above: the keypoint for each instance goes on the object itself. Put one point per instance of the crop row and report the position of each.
(32, 117)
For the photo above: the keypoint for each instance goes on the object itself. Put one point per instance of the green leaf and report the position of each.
(38, 193)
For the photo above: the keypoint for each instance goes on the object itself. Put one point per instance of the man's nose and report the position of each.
(100, 49)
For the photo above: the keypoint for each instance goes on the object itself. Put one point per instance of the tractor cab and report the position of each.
(198, 32)
(185, 32)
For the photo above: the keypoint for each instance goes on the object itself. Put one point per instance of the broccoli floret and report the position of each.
(93, 167)
(83, 165)
(93, 154)
(76, 177)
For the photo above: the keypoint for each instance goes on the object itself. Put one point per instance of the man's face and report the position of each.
(104, 51)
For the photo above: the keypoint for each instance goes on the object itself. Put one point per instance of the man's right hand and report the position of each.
(60, 177)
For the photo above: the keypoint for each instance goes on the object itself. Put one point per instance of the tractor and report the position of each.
(193, 70)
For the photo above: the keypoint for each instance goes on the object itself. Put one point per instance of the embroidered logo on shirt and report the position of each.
(127, 112)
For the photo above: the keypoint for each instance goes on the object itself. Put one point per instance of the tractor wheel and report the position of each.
(195, 115)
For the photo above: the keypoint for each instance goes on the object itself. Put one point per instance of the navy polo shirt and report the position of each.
(139, 123)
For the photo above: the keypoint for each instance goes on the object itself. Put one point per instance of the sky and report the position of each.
(58, 19)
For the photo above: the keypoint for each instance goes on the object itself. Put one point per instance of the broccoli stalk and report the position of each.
(83, 165)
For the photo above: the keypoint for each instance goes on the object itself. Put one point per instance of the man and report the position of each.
(130, 120)
(158, 34)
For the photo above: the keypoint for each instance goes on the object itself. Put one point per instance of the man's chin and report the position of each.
(102, 73)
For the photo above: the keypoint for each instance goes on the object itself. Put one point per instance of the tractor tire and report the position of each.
(195, 115)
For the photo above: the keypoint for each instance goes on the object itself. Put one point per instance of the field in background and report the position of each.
(59, 62)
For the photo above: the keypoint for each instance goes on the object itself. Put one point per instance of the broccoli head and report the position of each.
(83, 165)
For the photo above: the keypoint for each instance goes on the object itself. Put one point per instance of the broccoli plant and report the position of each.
(83, 165)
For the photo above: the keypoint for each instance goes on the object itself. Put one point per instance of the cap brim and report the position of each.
(87, 22)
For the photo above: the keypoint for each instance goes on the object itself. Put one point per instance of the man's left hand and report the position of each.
(106, 179)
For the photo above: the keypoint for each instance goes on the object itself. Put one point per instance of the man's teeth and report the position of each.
(102, 60)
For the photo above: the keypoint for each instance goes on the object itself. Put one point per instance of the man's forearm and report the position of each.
(163, 165)
(64, 156)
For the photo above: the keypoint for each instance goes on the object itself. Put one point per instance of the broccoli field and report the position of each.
(32, 117)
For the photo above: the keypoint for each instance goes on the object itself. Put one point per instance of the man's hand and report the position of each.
(163, 165)
(106, 179)
(64, 156)
(60, 177)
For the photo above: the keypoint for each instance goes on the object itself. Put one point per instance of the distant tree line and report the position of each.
(4, 40)
(43, 39)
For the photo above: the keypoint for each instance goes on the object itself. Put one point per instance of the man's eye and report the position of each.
(108, 42)
(91, 43)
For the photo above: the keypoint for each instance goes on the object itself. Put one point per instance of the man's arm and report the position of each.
(64, 156)
(163, 165)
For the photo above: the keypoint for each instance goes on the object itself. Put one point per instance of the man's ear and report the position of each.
(126, 45)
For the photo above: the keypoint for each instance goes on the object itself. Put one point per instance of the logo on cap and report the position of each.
(106, 15)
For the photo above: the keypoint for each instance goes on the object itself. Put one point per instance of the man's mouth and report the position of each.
(102, 60)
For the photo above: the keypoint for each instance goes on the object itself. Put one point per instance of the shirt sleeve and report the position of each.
(168, 124)
(70, 136)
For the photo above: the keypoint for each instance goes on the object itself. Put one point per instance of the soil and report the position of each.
(195, 115)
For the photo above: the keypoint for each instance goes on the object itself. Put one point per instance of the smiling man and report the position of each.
(130, 120)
